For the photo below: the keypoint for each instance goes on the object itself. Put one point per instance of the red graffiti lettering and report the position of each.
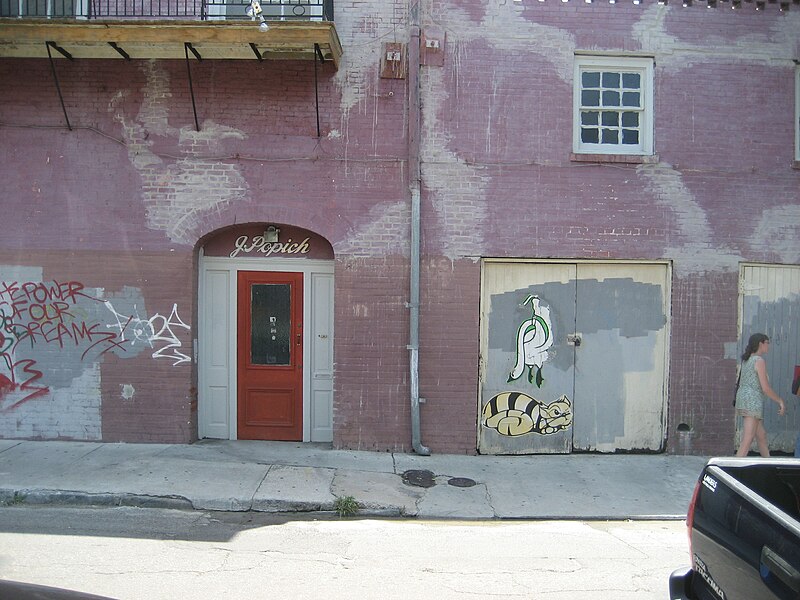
(9, 290)
(41, 293)
(108, 337)
(49, 312)
(10, 385)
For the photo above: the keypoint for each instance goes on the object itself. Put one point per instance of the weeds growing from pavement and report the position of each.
(345, 506)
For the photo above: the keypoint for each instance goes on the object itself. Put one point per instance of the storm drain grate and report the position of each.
(420, 478)
(461, 482)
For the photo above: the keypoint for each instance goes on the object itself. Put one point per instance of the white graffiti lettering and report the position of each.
(157, 332)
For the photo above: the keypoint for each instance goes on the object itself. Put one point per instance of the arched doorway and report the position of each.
(265, 335)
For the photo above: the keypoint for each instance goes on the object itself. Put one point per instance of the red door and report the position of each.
(270, 356)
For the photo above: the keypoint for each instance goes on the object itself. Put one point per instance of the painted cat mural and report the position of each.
(515, 413)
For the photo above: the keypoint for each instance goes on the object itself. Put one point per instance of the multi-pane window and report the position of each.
(613, 105)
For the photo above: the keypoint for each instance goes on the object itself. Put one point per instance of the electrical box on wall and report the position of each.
(431, 49)
(393, 60)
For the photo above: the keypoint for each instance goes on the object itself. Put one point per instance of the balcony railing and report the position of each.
(206, 10)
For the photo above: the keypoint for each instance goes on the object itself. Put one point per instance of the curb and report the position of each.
(37, 497)
(74, 498)
(29, 497)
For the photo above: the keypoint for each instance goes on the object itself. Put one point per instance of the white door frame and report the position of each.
(312, 269)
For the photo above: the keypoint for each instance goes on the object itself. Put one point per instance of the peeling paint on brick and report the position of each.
(457, 191)
(387, 21)
(505, 27)
(693, 249)
(383, 230)
(777, 232)
(178, 191)
(127, 391)
(673, 54)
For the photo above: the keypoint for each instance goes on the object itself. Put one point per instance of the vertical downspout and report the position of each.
(415, 178)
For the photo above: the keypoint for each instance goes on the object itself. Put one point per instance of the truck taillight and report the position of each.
(690, 519)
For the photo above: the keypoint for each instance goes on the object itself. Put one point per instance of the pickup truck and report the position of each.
(744, 532)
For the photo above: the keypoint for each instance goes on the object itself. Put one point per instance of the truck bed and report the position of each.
(744, 532)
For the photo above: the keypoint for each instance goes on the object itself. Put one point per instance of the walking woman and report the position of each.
(753, 390)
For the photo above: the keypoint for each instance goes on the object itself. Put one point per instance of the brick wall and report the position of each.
(497, 137)
(372, 406)
(449, 337)
(120, 202)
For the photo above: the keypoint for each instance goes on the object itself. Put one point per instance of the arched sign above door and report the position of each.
(268, 241)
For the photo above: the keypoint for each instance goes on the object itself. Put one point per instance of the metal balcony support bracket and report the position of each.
(186, 48)
(58, 49)
(121, 52)
(317, 55)
(257, 52)
(55, 76)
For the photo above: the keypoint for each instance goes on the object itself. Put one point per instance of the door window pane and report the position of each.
(270, 324)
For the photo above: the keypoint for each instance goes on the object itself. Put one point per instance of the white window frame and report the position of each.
(641, 65)
(797, 113)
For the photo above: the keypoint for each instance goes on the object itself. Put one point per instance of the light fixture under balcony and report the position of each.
(271, 234)
(254, 11)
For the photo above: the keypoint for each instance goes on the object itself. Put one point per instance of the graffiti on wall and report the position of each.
(534, 337)
(514, 413)
(48, 330)
(157, 332)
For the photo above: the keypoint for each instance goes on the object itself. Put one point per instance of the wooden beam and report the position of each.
(166, 39)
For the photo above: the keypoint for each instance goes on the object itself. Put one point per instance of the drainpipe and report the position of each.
(415, 178)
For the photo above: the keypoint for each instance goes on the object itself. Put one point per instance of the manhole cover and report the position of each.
(461, 481)
(419, 478)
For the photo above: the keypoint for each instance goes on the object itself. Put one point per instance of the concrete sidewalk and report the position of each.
(290, 477)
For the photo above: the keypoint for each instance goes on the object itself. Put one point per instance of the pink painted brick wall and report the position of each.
(122, 200)
(498, 131)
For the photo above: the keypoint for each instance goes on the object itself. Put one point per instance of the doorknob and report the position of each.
(574, 339)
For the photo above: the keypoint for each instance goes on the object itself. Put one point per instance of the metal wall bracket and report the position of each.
(55, 77)
(256, 51)
(121, 52)
(317, 55)
(58, 49)
(186, 48)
